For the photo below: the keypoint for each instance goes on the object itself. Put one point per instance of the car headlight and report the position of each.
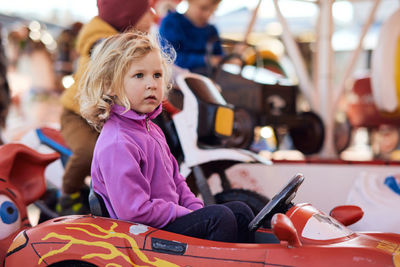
(224, 121)
(19, 242)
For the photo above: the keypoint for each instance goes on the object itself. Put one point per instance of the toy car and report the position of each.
(303, 236)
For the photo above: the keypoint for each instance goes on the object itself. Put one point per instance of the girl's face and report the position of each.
(144, 83)
(200, 11)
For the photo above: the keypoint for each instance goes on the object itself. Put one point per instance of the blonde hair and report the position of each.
(102, 83)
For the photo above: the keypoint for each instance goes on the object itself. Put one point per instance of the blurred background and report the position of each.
(38, 39)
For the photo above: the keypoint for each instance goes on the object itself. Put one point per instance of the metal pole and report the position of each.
(252, 22)
(355, 54)
(325, 76)
(202, 185)
(306, 86)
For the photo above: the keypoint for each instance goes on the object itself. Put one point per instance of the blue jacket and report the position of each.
(135, 172)
(189, 41)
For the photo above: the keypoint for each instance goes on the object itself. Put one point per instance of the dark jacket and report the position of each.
(189, 41)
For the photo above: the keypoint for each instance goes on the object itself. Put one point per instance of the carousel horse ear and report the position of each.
(24, 168)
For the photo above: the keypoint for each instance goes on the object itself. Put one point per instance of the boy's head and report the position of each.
(146, 21)
(200, 11)
(122, 14)
(103, 82)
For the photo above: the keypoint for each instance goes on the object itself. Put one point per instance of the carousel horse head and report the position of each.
(22, 182)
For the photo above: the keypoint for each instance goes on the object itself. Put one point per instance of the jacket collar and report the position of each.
(131, 114)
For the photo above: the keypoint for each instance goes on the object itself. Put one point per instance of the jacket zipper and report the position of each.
(147, 124)
(158, 142)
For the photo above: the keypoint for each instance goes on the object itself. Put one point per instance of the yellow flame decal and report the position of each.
(396, 257)
(387, 246)
(113, 251)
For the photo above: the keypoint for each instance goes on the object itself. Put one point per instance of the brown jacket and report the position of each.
(93, 31)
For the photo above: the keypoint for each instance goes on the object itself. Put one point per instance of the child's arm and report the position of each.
(129, 190)
(217, 46)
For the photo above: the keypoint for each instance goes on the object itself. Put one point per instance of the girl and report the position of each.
(132, 168)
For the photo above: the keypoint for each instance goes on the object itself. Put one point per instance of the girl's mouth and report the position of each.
(151, 99)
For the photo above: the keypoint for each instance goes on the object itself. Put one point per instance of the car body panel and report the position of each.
(109, 242)
(303, 236)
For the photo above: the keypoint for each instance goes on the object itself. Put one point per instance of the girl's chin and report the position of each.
(149, 108)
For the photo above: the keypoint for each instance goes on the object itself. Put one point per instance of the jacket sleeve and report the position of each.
(186, 197)
(129, 190)
(217, 48)
(171, 31)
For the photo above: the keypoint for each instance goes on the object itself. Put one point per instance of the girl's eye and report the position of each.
(157, 75)
(138, 75)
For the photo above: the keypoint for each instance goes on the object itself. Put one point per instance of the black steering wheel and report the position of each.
(279, 202)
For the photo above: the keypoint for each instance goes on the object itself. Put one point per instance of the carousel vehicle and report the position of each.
(271, 100)
(256, 84)
(263, 95)
(209, 133)
(300, 234)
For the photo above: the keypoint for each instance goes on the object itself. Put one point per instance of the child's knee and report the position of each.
(224, 213)
(240, 207)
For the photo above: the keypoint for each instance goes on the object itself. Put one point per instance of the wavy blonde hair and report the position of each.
(102, 84)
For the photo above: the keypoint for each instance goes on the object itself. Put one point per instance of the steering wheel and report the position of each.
(278, 202)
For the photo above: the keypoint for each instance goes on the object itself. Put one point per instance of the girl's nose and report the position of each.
(151, 84)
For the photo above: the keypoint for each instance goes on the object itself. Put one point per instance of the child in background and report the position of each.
(193, 37)
(132, 168)
(114, 16)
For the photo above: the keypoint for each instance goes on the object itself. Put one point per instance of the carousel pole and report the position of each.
(325, 76)
(350, 66)
(306, 87)
(252, 22)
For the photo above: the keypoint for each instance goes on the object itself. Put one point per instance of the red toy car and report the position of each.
(303, 236)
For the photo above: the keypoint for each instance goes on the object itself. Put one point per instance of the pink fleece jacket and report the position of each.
(135, 172)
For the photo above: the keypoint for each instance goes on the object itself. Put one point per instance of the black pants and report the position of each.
(224, 222)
